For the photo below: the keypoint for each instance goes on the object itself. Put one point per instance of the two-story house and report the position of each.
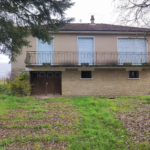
(89, 59)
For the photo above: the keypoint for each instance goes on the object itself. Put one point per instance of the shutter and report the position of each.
(133, 50)
(86, 50)
(45, 52)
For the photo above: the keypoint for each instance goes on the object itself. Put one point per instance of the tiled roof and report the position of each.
(101, 27)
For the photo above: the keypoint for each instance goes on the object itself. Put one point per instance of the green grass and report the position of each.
(38, 116)
(8, 103)
(82, 123)
(98, 127)
(2, 83)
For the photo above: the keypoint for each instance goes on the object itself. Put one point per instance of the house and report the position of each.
(89, 59)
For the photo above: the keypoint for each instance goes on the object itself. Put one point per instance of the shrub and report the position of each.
(20, 86)
(4, 89)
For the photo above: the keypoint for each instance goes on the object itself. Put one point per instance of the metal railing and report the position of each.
(89, 58)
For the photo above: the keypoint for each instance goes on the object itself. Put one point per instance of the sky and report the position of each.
(103, 11)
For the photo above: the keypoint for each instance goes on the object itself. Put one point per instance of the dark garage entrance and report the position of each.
(46, 83)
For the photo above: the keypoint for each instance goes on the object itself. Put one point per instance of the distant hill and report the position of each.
(4, 69)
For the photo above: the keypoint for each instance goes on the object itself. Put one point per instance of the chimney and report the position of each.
(92, 19)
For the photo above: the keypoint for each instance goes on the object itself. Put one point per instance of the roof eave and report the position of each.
(102, 32)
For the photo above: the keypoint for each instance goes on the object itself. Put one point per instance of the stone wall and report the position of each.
(110, 82)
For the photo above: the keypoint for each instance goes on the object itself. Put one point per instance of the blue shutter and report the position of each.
(86, 50)
(45, 52)
(132, 50)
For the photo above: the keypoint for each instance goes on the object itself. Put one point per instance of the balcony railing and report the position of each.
(71, 58)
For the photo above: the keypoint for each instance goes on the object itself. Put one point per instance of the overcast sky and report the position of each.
(101, 9)
(82, 10)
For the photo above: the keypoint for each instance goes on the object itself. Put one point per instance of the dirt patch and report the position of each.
(59, 118)
(137, 122)
(38, 145)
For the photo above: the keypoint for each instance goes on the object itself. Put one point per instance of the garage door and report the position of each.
(46, 83)
(45, 52)
(132, 50)
(86, 50)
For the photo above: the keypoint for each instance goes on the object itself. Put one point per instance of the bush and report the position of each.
(4, 89)
(20, 86)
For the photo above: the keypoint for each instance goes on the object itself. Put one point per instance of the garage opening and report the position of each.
(46, 83)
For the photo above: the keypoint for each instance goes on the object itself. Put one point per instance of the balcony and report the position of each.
(74, 58)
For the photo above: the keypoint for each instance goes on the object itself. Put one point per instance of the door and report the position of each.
(57, 84)
(50, 83)
(45, 52)
(42, 82)
(86, 50)
(46, 82)
(34, 82)
(53, 83)
(132, 50)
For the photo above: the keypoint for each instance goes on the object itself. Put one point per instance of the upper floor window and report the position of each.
(132, 50)
(45, 52)
(86, 50)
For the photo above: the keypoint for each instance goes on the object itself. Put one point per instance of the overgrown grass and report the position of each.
(79, 123)
(8, 103)
(3, 83)
(98, 127)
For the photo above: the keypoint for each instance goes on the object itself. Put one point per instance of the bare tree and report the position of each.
(9, 76)
(133, 12)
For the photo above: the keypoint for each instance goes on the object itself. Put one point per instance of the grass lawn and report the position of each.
(76, 123)
(2, 83)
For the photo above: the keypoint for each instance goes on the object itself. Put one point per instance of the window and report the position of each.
(132, 50)
(133, 74)
(57, 74)
(86, 74)
(42, 74)
(34, 74)
(50, 74)
(86, 50)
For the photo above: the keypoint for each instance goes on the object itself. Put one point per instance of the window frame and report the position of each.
(56, 73)
(40, 73)
(133, 37)
(93, 37)
(32, 75)
(48, 73)
(135, 76)
(86, 77)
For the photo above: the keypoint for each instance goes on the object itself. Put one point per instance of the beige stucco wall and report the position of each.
(110, 82)
(68, 42)
(20, 64)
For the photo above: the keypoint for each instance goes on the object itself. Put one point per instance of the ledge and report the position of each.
(134, 69)
(130, 68)
(86, 69)
(86, 78)
(44, 69)
(134, 78)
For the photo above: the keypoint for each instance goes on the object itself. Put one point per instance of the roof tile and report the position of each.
(101, 27)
